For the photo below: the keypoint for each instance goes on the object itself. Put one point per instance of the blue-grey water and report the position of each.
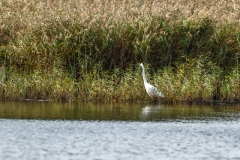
(46, 130)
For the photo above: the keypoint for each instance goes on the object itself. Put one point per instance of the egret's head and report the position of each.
(141, 64)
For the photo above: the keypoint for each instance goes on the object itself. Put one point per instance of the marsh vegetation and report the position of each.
(91, 50)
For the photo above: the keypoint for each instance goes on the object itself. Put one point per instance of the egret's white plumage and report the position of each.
(151, 90)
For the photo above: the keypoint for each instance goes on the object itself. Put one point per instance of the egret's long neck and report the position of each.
(144, 76)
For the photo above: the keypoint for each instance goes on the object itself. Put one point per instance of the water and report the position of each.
(47, 130)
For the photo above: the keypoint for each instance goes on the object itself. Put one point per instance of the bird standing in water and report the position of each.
(151, 90)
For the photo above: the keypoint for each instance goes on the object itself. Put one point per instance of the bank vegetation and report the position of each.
(90, 50)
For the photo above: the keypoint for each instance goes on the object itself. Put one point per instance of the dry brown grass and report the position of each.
(121, 8)
(31, 13)
(23, 16)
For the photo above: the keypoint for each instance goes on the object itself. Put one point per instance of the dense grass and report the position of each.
(91, 50)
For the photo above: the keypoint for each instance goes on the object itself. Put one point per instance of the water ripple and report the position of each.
(37, 139)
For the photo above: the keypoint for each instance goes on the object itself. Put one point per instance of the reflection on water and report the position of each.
(149, 110)
(115, 111)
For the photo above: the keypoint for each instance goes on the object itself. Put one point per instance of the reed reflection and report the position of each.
(115, 111)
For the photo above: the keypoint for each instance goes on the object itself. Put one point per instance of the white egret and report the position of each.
(151, 90)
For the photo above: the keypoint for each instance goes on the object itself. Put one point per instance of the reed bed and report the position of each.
(71, 50)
